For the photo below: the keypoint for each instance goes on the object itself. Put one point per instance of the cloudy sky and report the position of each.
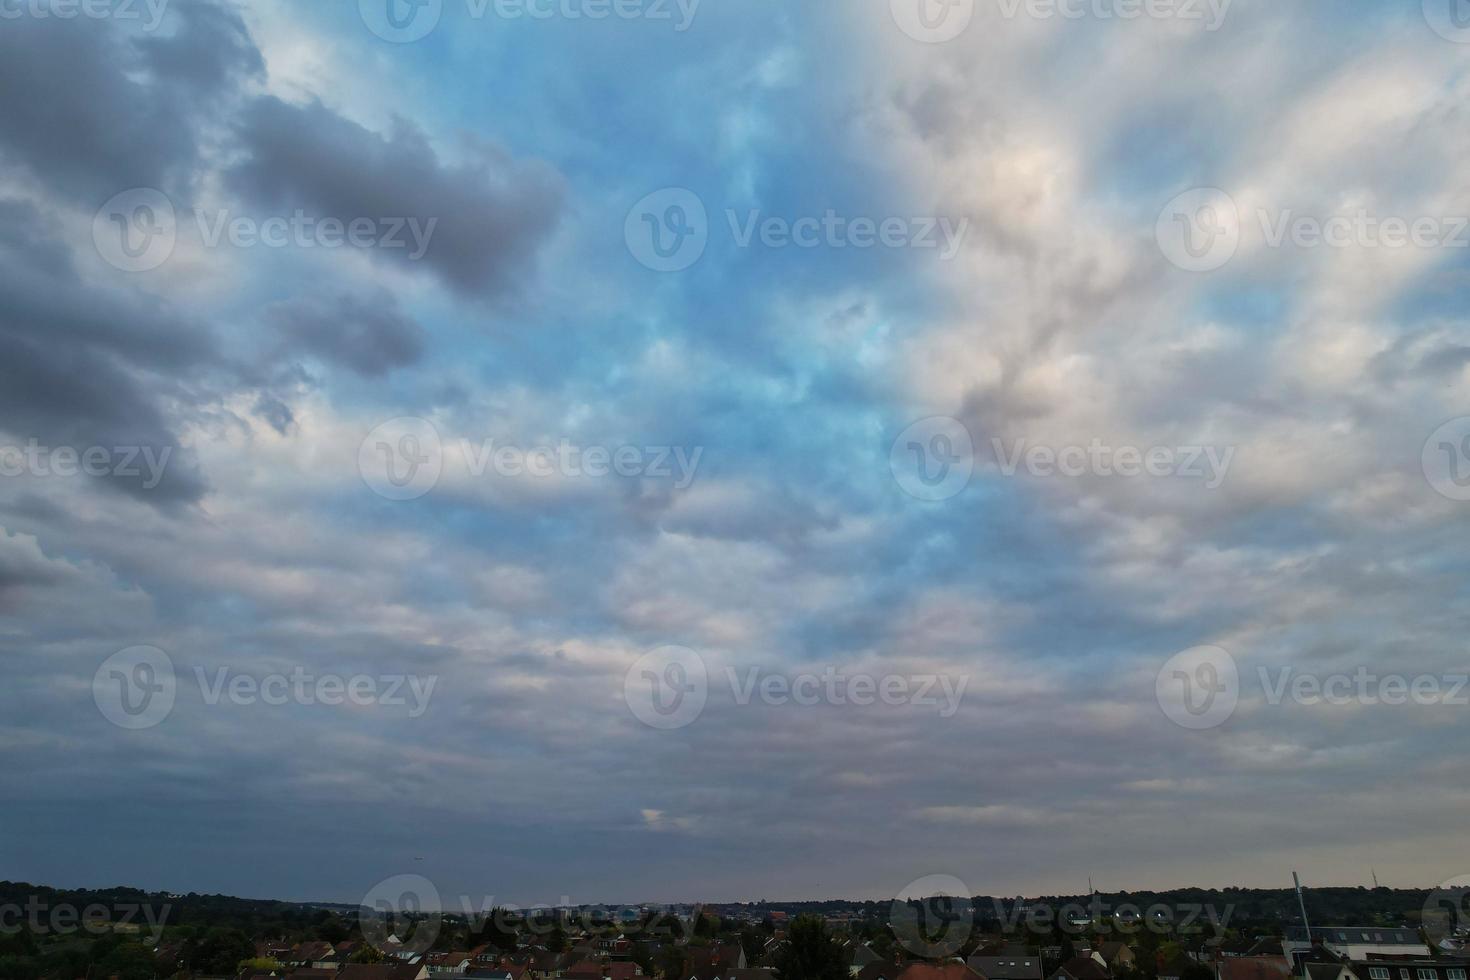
(682, 353)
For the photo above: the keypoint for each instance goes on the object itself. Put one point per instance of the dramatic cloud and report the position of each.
(369, 336)
(478, 224)
(501, 463)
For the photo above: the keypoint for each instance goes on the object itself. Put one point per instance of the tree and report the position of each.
(367, 953)
(753, 943)
(671, 962)
(810, 953)
(220, 951)
(130, 961)
(496, 931)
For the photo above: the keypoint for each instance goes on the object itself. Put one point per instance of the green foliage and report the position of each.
(131, 961)
(810, 952)
(259, 963)
(496, 930)
(366, 954)
(220, 951)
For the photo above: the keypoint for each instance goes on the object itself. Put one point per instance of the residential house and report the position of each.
(1175, 968)
(859, 956)
(1253, 968)
(712, 962)
(1357, 942)
(384, 971)
(1086, 968)
(586, 969)
(948, 970)
(1024, 967)
(1115, 956)
(1410, 969)
(450, 964)
(316, 954)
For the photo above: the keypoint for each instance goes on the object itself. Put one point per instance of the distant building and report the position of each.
(1357, 942)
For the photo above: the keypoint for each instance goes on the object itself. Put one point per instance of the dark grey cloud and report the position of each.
(277, 414)
(90, 111)
(368, 334)
(491, 215)
(86, 366)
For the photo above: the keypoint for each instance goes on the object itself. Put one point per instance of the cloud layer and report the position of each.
(273, 543)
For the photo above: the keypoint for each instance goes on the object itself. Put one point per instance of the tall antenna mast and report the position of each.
(1375, 877)
(1302, 902)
